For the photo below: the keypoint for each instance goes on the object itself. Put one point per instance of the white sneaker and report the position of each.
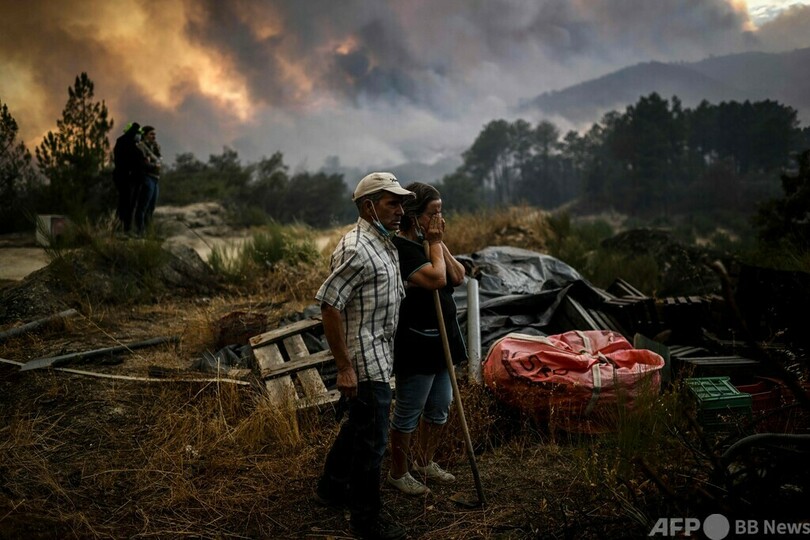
(408, 484)
(434, 472)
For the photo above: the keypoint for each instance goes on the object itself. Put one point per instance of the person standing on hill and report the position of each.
(149, 189)
(360, 306)
(129, 163)
(424, 388)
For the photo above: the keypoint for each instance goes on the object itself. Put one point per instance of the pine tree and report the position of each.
(74, 158)
(787, 220)
(18, 180)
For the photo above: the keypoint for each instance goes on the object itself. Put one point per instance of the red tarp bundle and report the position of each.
(576, 380)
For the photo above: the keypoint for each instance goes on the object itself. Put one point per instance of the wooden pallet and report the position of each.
(288, 369)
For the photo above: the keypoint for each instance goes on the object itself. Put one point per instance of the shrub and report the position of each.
(521, 226)
(603, 267)
(263, 251)
(90, 261)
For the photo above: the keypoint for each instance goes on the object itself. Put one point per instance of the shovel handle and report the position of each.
(448, 357)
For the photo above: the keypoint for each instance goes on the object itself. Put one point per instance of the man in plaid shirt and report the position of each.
(360, 307)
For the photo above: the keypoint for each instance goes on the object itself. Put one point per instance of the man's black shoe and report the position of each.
(380, 529)
(329, 502)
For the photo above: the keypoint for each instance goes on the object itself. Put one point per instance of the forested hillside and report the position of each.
(656, 161)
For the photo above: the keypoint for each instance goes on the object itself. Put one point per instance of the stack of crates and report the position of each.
(720, 405)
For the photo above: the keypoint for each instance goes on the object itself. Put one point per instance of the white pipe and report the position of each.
(473, 333)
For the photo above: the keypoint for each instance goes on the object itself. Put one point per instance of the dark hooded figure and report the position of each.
(128, 172)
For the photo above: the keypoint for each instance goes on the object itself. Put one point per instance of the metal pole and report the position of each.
(55, 361)
(36, 324)
(473, 333)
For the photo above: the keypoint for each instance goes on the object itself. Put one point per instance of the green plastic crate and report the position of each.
(720, 404)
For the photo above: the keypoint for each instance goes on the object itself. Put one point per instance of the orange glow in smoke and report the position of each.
(147, 43)
(741, 6)
(348, 46)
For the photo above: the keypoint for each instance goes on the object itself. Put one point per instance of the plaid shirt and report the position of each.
(365, 285)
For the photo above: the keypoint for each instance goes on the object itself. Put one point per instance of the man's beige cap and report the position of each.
(380, 181)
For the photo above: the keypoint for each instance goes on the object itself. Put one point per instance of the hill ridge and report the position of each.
(753, 76)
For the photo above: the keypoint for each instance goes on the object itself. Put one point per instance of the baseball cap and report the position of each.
(380, 181)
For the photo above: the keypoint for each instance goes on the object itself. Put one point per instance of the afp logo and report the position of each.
(715, 527)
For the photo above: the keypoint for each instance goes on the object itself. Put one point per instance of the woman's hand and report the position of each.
(435, 229)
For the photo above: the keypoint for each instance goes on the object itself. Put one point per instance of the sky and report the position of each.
(367, 84)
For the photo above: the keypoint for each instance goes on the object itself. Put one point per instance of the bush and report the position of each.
(522, 226)
(90, 261)
(263, 251)
(248, 216)
(603, 267)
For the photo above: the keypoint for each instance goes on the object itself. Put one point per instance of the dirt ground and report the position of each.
(20, 256)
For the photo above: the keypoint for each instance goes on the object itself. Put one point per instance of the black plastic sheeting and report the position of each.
(519, 291)
(225, 359)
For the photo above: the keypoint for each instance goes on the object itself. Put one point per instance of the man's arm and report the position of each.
(336, 338)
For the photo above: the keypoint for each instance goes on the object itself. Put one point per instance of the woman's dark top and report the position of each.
(418, 345)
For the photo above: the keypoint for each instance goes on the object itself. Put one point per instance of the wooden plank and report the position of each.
(281, 390)
(623, 288)
(684, 350)
(309, 378)
(603, 295)
(281, 333)
(581, 319)
(720, 360)
(332, 396)
(632, 315)
(299, 364)
(605, 321)
(623, 302)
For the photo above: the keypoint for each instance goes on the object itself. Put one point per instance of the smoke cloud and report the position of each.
(373, 83)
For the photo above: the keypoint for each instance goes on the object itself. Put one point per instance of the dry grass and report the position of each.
(91, 458)
(103, 459)
(208, 461)
(522, 226)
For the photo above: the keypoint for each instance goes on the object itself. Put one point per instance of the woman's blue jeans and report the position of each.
(422, 396)
(147, 198)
